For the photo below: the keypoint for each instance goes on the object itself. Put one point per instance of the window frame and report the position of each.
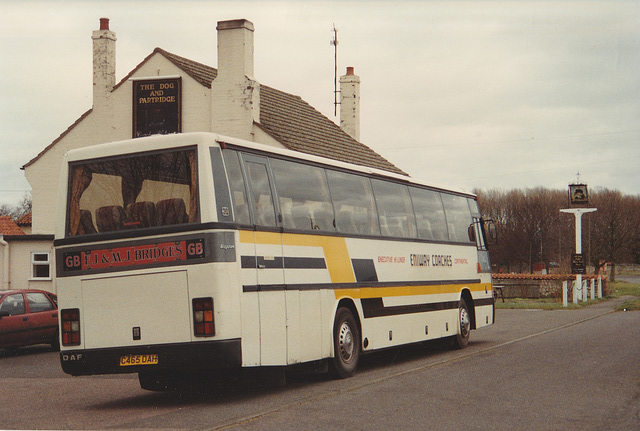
(35, 263)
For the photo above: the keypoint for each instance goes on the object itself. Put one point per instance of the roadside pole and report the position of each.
(578, 214)
(578, 197)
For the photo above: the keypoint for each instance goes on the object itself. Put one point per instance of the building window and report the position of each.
(40, 266)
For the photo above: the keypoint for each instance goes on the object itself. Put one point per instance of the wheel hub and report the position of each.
(465, 322)
(345, 343)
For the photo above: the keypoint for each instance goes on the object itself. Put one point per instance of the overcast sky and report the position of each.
(467, 94)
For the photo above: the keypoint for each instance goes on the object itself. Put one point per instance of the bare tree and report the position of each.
(532, 229)
(6, 210)
(615, 231)
(21, 209)
(24, 206)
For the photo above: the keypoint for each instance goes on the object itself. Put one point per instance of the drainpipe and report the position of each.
(5, 263)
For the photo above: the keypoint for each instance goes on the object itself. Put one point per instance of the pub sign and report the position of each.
(157, 107)
(578, 195)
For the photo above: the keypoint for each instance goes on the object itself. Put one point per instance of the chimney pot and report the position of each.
(104, 23)
(350, 71)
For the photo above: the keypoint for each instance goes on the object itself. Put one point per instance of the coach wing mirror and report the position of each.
(491, 232)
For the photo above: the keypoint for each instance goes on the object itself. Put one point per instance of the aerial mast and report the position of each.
(334, 42)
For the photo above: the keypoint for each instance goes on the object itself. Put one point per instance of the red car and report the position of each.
(28, 316)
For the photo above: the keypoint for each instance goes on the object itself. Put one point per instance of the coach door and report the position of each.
(269, 261)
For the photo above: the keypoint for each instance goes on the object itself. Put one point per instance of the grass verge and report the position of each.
(622, 288)
(537, 304)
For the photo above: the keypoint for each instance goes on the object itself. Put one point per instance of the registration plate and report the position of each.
(129, 360)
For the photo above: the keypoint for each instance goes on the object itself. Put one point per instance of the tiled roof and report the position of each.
(294, 123)
(9, 227)
(202, 73)
(25, 220)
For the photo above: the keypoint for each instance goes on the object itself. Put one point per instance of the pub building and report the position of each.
(167, 93)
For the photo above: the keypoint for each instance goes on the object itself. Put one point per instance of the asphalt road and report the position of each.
(541, 370)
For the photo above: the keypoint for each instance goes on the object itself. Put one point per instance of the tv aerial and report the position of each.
(334, 42)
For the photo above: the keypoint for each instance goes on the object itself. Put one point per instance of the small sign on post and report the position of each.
(577, 263)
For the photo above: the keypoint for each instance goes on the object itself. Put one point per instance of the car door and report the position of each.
(43, 317)
(14, 322)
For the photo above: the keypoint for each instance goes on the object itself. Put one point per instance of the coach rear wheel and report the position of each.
(461, 340)
(346, 344)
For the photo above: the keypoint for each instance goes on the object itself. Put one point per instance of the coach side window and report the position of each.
(353, 203)
(263, 207)
(394, 209)
(456, 209)
(429, 214)
(303, 195)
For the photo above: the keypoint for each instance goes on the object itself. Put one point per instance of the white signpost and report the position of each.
(578, 213)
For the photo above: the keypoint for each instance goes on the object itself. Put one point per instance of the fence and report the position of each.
(549, 286)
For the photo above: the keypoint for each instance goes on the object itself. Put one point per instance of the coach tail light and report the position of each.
(203, 325)
(70, 324)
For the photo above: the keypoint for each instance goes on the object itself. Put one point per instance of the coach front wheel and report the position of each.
(461, 340)
(346, 344)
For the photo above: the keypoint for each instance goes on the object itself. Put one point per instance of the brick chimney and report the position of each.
(350, 104)
(104, 61)
(235, 94)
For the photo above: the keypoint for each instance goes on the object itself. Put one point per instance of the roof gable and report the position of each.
(201, 73)
(58, 139)
(286, 117)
